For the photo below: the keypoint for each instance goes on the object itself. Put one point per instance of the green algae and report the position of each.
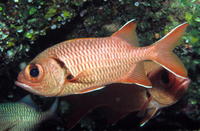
(51, 12)
(32, 11)
(66, 14)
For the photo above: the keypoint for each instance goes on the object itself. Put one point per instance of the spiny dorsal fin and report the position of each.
(128, 33)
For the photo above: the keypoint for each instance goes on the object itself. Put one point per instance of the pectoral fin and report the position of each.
(80, 76)
(75, 79)
(138, 76)
(144, 108)
(148, 113)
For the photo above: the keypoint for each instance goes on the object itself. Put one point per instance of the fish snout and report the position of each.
(22, 82)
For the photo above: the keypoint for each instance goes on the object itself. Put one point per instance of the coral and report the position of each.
(4, 32)
(23, 21)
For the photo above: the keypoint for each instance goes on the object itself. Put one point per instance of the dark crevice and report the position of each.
(69, 77)
(148, 94)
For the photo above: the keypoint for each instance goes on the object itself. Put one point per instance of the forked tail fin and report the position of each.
(163, 51)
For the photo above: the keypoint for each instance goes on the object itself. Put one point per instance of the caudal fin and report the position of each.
(163, 51)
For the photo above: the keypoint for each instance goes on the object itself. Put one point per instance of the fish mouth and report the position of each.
(24, 86)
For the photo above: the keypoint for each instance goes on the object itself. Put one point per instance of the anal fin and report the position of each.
(90, 90)
(138, 76)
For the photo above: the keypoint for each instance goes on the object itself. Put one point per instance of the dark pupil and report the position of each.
(34, 72)
(165, 77)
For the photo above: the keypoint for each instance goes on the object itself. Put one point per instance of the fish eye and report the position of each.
(166, 79)
(34, 72)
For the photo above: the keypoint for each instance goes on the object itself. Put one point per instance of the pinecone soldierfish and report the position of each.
(87, 64)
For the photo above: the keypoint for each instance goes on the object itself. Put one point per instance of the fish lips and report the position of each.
(182, 88)
(24, 86)
(38, 89)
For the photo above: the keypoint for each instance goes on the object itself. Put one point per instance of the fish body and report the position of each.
(20, 116)
(122, 99)
(84, 65)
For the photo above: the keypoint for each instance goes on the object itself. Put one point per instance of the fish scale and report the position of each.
(108, 74)
(111, 63)
(10, 112)
(106, 70)
(113, 55)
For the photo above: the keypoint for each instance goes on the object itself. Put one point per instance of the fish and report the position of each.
(23, 115)
(122, 99)
(87, 64)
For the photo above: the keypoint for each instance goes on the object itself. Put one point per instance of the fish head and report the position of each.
(167, 87)
(42, 76)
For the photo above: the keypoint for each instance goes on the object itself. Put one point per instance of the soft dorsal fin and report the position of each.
(128, 33)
